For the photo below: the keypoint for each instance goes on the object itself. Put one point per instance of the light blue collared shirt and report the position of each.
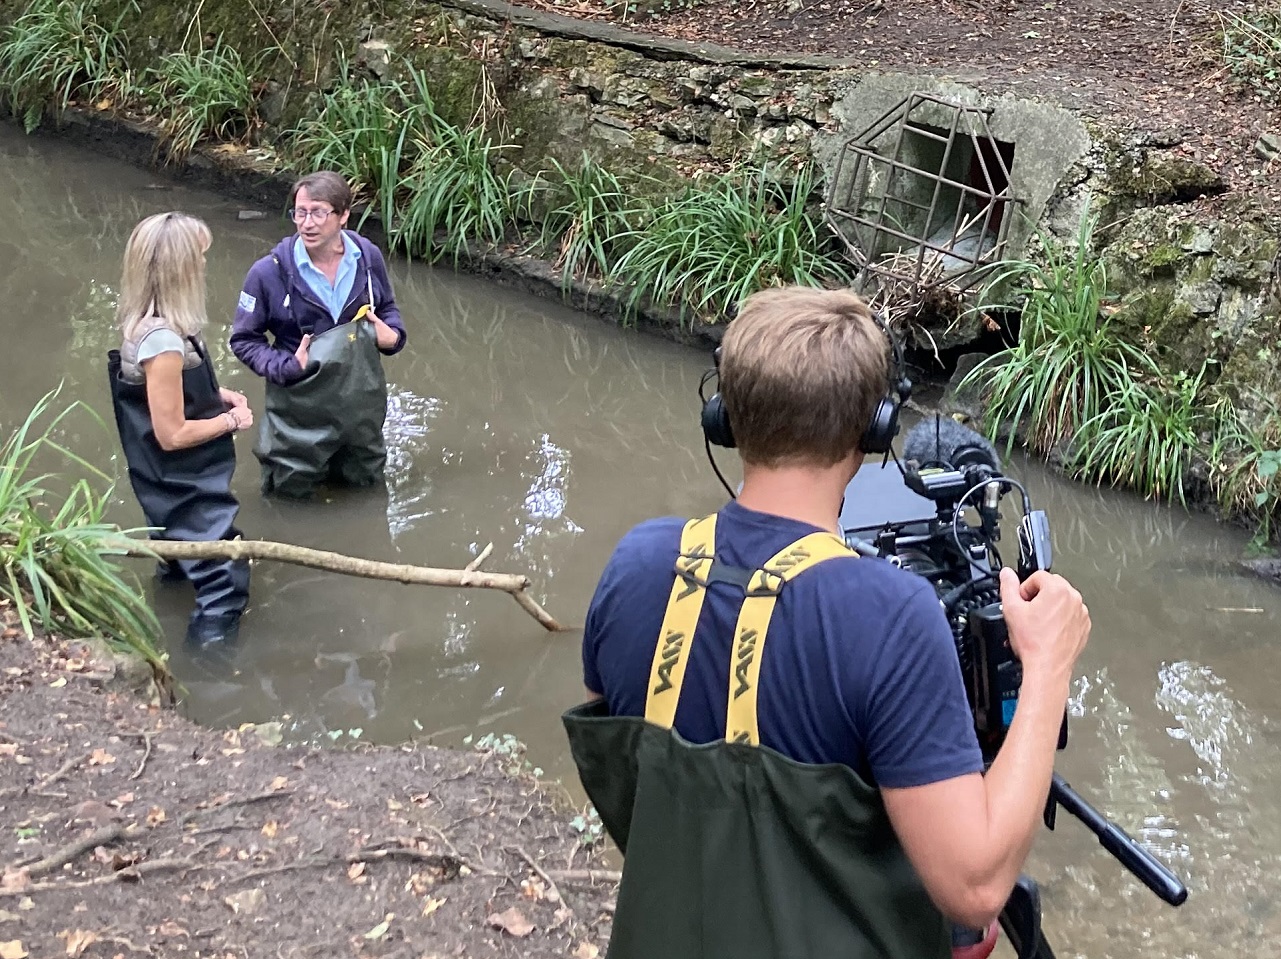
(334, 298)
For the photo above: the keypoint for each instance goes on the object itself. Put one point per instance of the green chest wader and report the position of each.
(732, 850)
(329, 424)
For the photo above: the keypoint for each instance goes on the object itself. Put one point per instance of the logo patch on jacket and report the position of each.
(247, 302)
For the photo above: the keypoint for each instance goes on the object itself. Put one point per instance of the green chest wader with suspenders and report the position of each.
(734, 851)
(329, 423)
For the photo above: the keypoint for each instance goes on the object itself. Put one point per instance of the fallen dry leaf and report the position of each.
(394, 805)
(8, 749)
(532, 889)
(431, 905)
(58, 684)
(26, 902)
(7, 916)
(512, 922)
(78, 940)
(380, 930)
(234, 751)
(155, 816)
(356, 872)
(586, 950)
(248, 902)
(171, 928)
(269, 828)
(338, 804)
(121, 800)
(280, 782)
(15, 880)
(100, 757)
(13, 949)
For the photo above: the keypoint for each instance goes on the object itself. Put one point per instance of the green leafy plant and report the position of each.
(56, 549)
(509, 750)
(1252, 46)
(590, 212)
(1245, 470)
(204, 94)
(720, 241)
(455, 197)
(588, 826)
(1070, 360)
(370, 132)
(58, 51)
(1145, 437)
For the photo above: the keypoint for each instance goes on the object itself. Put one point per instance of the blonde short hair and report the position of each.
(801, 373)
(164, 274)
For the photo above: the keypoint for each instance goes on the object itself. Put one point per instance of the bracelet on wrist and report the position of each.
(235, 427)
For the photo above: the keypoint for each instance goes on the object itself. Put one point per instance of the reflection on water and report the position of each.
(516, 423)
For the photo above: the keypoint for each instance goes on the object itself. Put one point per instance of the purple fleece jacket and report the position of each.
(276, 300)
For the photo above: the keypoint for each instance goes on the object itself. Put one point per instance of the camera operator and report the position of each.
(835, 802)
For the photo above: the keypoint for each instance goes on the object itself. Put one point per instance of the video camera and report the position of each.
(915, 517)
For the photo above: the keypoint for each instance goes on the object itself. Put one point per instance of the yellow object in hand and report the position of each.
(360, 313)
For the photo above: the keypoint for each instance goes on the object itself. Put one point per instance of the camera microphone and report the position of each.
(942, 441)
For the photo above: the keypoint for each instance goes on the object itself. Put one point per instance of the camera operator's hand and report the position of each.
(1048, 622)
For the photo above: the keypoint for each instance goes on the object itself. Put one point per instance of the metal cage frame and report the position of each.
(845, 212)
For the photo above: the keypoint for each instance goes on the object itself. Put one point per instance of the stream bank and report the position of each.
(133, 831)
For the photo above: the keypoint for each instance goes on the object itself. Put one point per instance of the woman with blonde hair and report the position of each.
(175, 421)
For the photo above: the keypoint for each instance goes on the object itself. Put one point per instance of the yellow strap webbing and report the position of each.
(671, 654)
(753, 626)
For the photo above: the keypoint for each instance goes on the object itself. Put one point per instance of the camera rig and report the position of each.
(915, 517)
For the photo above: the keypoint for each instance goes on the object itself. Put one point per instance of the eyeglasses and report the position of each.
(317, 216)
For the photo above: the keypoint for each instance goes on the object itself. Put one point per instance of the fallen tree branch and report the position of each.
(255, 549)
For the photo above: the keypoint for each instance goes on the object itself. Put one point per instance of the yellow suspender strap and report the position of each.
(753, 625)
(671, 654)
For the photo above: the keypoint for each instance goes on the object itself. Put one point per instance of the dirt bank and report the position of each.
(129, 831)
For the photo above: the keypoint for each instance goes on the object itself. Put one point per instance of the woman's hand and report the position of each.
(384, 335)
(240, 417)
(232, 398)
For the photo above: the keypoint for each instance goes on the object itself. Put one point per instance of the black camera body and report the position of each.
(917, 520)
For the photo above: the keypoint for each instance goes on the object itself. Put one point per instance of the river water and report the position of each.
(519, 423)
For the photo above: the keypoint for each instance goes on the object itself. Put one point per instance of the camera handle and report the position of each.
(1021, 921)
(1146, 867)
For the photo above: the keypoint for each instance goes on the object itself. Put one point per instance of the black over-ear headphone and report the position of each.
(880, 431)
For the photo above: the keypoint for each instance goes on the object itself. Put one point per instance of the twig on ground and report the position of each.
(71, 851)
(62, 770)
(128, 874)
(586, 875)
(546, 877)
(146, 738)
(245, 801)
(367, 855)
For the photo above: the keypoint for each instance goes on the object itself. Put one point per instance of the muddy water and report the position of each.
(547, 434)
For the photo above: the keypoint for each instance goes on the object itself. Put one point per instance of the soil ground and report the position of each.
(128, 831)
(1151, 64)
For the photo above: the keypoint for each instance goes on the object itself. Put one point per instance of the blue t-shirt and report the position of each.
(859, 664)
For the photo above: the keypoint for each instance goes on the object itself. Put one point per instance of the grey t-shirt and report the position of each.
(157, 342)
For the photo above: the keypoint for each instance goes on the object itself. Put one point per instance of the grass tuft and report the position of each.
(56, 557)
(707, 249)
(1071, 361)
(209, 94)
(56, 52)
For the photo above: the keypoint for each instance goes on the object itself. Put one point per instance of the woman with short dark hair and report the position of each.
(314, 319)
